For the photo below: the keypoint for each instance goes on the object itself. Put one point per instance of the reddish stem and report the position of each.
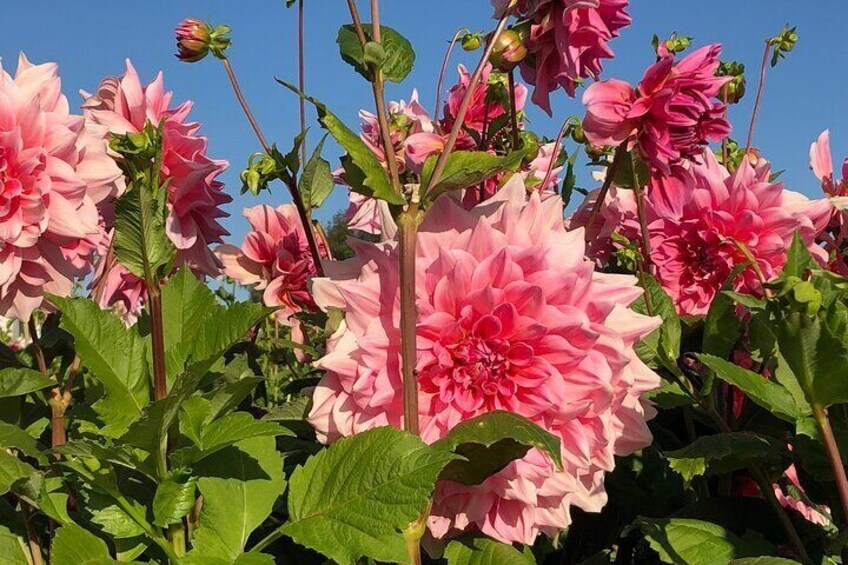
(832, 449)
(620, 153)
(759, 98)
(301, 76)
(445, 62)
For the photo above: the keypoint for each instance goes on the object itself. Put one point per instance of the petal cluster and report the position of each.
(568, 41)
(672, 115)
(195, 196)
(511, 316)
(274, 257)
(54, 171)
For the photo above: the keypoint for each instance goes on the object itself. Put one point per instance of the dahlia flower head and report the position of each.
(275, 257)
(511, 316)
(701, 219)
(834, 236)
(672, 115)
(195, 198)
(568, 41)
(54, 171)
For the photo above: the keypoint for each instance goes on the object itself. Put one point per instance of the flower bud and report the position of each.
(577, 133)
(471, 41)
(508, 51)
(671, 46)
(196, 39)
(734, 90)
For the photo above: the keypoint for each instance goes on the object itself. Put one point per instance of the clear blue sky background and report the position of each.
(90, 40)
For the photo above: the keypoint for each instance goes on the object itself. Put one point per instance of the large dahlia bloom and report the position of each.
(54, 171)
(195, 197)
(511, 316)
(568, 42)
(671, 117)
(484, 106)
(704, 221)
(275, 257)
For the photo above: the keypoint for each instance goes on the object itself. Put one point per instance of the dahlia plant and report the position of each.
(460, 368)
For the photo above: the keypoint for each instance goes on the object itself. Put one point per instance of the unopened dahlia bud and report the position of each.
(196, 39)
(733, 91)
(471, 41)
(671, 46)
(508, 51)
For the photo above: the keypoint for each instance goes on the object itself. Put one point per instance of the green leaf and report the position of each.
(18, 382)
(669, 396)
(239, 487)
(484, 551)
(490, 441)
(722, 327)
(721, 453)
(12, 550)
(770, 395)
(662, 345)
(763, 561)
(798, 259)
(356, 498)
(694, 542)
(316, 183)
(467, 168)
(395, 57)
(14, 437)
(12, 470)
(115, 355)
(225, 431)
(222, 329)
(186, 306)
(111, 518)
(363, 172)
(174, 498)
(140, 242)
(75, 546)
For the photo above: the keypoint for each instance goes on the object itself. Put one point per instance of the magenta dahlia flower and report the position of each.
(195, 197)
(275, 257)
(671, 117)
(482, 110)
(568, 42)
(54, 171)
(511, 316)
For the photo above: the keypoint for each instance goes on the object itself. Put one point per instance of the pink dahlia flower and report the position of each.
(834, 237)
(671, 117)
(617, 214)
(54, 171)
(480, 112)
(195, 197)
(275, 257)
(568, 42)
(699, 219)
(511, 316)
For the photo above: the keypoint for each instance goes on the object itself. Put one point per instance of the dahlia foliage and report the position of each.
(467, 365)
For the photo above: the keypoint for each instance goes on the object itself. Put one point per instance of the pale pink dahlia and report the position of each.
(195, 197)
(275, 257)
(54, 171)
(834, 236)
(511, 316)
(670, 118)
(698, 221)
(568, 42)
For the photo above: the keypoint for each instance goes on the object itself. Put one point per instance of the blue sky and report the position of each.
(90, 40)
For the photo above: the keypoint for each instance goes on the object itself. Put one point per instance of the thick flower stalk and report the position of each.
(195, 198)
(670, 117)
(511, 316)
(54, 171)
(275, 258)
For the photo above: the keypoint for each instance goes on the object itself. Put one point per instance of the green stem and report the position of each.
(32, 537)
(408, 223)
(513, 111)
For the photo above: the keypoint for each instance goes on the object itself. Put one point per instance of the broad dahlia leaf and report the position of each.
(467, 168)
(722, 327)
(397, 56)
(316, 183)
(770, 395)
(663, 345)
(186, 305)
(239, 487)
(12, 470)
(74, 545)
(798, 259)
(721, 453)
(763, 561)
(357, 497)
(115, 355)
(226, 431)
(21, 381)
(14, 437)
(484, 551)
(174, 498)
(140, 243)
(11, 548)
(695, 542)
(363, 171)
(490, 441)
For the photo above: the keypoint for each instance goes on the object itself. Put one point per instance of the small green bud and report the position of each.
(471, 41)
